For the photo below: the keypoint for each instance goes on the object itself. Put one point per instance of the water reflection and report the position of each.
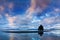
(11, 36)
(28, 36)
(34, 37)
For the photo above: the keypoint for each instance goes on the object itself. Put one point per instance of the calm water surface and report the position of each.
(28, 36)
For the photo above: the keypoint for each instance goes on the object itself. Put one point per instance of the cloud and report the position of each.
(48, 20)
(21, 21)
(1, 8)
(52, 19)
(57, 9)
(29, 20)
(10, 5)
(10, 20)
(36, 7)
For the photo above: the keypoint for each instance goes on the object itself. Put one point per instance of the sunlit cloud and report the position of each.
(10, 20)
(36, 6)
(31, 9)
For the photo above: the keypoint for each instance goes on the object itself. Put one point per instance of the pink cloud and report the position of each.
(10, 20)
(10, 5)
(36, 6)
(1, 8)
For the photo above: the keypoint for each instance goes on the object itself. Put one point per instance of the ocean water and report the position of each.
(28, 36)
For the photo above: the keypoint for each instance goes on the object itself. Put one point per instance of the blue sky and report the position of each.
(29, 13)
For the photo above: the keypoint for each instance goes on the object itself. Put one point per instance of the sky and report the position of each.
(24, 14)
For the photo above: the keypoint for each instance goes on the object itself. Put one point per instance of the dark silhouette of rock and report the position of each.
(40, 30)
